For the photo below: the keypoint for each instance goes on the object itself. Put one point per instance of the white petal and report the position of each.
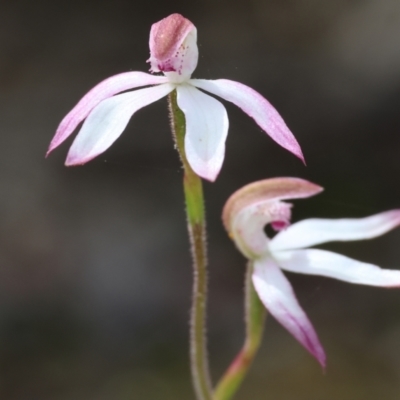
(277, 295)
(206, 130)
(311, 232)
(107, 121)
(256, 106)
(333, 265)
(105, 89)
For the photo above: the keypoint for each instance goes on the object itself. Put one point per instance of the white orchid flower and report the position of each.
(174, 52)
(252, 207)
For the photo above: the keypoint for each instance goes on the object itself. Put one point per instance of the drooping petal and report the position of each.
(268, 190)
(277, 295)
(311, 232)
(107, 121)
(206, 130)
(256, 106)
(105, 89)
(333, 265)
(173, 48)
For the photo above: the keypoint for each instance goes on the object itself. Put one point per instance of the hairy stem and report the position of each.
(194, 200)
(255, 320)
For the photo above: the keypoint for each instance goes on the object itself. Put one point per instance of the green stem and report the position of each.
(194, 199)
(255, 320)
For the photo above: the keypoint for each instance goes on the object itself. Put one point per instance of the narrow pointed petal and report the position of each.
(311, 232)
(333, 265)
(278, 297)
(107, 121)
(206, 130)
(104, 90)
(256, 106)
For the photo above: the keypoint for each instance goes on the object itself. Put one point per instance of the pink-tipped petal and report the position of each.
(105, 89)
(311, 232)
(333, 265)
(206, 130)
(277, 295)
(107, 121)
(256, 106)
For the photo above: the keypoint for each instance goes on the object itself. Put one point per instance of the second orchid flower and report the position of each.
(251, 208)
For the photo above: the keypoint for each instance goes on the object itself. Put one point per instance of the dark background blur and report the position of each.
(95, 274)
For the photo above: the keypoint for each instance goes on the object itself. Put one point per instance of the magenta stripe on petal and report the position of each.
(105, 89)
(256, 106)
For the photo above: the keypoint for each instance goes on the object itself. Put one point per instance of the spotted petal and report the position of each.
(277, 295)
(256, 106)
(311, 232)
(206, 130)
(107, 121)
(104, 90)
(333, 265)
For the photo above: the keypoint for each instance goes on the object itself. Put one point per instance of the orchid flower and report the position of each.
(252, 207)
(174, 52)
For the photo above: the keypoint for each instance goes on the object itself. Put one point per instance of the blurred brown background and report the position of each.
(95, 275)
